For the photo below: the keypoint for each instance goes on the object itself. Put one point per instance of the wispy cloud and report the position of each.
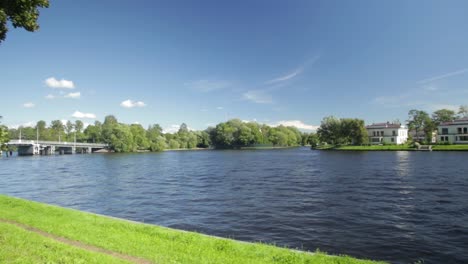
(131, 104)
(29, 105)
(207, 85)
(78, 114)
(258, 96)
(73, 95)
(59, 84)
(220, 108)
(50, 96)
(296, 72)
(443, 76)
(286, 77)
(296, 123)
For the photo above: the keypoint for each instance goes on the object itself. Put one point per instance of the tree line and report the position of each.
(134, 137)
(349, 131)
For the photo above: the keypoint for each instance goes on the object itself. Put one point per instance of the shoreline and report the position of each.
(147, 242)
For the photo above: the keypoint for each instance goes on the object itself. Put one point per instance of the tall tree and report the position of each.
(21, 13)
(3, 135)
(58, 130)
(443, 115)
(419, 120)
(463, 110)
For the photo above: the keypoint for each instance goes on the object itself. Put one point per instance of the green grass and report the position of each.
(377, 148)
(155, 243)
(450, 147)
(20, 246)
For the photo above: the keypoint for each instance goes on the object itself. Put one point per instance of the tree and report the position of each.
(442, 115)
(420, 121)
(22, 13)
(3, 135)
(463, 110)
(139, 136)
(329, 130)
(58, 130)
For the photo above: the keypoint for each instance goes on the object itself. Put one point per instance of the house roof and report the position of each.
(460, 121)
(384, 125)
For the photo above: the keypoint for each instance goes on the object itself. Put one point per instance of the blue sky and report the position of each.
(202, 62)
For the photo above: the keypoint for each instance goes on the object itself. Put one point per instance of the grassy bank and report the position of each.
(152, 243)
(377, 148)
(450, 147)
(394, 148)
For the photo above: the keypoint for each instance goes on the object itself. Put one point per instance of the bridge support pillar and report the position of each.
(90, 150)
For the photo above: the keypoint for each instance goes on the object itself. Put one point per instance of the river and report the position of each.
(400, 207)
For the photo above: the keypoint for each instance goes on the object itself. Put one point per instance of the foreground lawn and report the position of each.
(20, 246)
(154, 243)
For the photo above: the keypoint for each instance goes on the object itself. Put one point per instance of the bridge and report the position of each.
(38, 147)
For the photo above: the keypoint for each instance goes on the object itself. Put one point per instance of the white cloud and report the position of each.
(435, 107)
(29, 105)
(50, 96)
(59, 84)
(220, 108)
(296, 123)
(73, 95)
(207, 85)
(130, 104)
(443, 76)
(27, 124)
(174, 128)
(258, 96)
(78, 114)
(287, 76)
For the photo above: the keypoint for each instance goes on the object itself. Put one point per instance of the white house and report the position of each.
(387, 133)
(455, 132)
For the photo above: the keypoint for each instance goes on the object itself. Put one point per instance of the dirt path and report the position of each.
(78, 244)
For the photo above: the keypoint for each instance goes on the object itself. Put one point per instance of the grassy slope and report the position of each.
(158, 244)
(20, 246)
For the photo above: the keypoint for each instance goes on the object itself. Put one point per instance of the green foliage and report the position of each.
(463, 110)
(21, 13)
(443, 115)
(420, 121)
(342, 131)
(237, 134)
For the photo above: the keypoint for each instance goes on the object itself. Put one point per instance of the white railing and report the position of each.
(56, 143)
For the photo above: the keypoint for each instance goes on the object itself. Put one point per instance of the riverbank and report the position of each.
(394, 148)
(40, 233)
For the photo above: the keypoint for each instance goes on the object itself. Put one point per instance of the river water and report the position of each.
(401, 207)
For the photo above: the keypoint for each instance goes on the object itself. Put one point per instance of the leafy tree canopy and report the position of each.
(21, 13)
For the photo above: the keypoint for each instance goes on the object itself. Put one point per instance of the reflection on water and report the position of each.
(395, 206)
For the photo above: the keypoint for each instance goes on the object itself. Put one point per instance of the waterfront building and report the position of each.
(390, 133)
(454, 132)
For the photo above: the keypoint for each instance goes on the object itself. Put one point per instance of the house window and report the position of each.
(446, 138)
(381, 133)
(393, 139)
(463, 138)
(444, 131)
(394, 133)
(459, 130)
(442, 138)
(374, 133)
(465, 130)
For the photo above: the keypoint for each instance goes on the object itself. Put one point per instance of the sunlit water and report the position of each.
(396, 206)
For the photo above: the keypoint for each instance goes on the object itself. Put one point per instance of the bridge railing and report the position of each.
(56, 143)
